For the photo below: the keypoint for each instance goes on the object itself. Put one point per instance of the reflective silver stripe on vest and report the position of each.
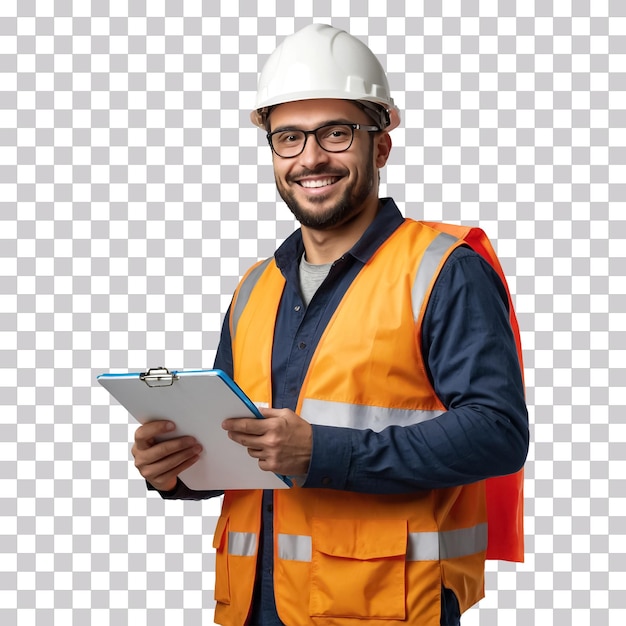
(376, 418)
(463, 541)
(245, 290)
(242, 544)
(426, 546)
(430, 262)
(294, 547)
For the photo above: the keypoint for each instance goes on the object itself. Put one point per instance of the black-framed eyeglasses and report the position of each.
(290, 142)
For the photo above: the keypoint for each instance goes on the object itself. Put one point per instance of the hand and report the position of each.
(282, 442)
(161, 463)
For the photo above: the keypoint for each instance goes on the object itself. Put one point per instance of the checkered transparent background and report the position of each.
(134, 192)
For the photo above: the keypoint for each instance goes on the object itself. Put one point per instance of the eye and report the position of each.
(336, 134)
(287, 137)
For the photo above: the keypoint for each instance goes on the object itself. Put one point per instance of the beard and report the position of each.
(345, 208)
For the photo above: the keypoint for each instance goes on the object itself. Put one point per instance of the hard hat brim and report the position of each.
(259, 116)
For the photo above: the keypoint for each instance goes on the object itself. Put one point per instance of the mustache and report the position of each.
(318, 171)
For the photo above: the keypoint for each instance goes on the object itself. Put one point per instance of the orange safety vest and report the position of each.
(340, 557)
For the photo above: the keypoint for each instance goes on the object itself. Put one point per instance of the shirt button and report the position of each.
(296, 308)
(326, 480)
(302, 345)
(269, 508)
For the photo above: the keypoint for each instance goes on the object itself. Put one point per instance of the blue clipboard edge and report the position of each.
(235, 388)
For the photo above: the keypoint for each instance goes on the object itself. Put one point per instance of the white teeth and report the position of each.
(309, 184)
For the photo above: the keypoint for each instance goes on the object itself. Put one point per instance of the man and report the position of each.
(386, 351)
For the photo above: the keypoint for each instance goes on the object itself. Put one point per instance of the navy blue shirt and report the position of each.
(472, 362)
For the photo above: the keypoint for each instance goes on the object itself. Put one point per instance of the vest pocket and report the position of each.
(358, 568)
(222, 584)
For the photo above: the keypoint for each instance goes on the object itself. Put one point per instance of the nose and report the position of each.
(313, 154)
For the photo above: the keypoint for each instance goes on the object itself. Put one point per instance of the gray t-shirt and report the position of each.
(311, 277)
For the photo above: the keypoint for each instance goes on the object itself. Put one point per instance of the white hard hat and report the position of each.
(320, 61)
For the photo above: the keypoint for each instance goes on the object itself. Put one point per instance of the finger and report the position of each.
(167, 466)
(246, 425)
(257, 454)
(148, 432)
(245, 440)
(168, 480)
(163, 449)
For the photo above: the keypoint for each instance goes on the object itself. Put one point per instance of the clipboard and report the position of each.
(197, 401)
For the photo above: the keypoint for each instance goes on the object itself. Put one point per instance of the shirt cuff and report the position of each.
(182, 492)
(167, 495)
(330, 458)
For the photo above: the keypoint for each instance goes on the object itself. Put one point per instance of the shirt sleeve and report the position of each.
(223, 361)
(471, 356)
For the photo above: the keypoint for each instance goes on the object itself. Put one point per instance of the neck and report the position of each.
(326, 246)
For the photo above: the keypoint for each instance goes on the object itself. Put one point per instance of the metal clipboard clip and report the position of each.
(158, 377)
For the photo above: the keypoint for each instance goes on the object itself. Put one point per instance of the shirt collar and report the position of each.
(387, 220)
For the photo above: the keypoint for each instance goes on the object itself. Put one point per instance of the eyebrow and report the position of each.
(328, 123)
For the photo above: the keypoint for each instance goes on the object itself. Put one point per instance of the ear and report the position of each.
(382, 146)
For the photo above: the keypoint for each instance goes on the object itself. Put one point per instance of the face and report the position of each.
(324, 189)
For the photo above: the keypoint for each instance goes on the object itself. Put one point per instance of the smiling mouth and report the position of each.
(320, 182)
